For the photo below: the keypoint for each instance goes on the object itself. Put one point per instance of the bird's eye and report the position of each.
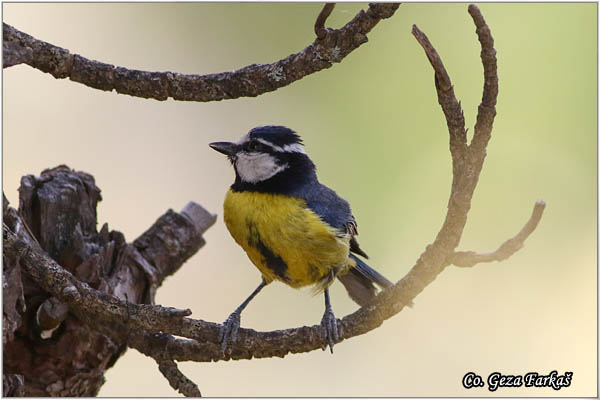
(254, 146)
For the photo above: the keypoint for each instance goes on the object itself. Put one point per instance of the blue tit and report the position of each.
(294, 229)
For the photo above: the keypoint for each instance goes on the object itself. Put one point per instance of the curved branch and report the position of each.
(142, 321)
(430, 263)
(250, 81)
(507, 249)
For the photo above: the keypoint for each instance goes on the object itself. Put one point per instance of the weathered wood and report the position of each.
(47, 350)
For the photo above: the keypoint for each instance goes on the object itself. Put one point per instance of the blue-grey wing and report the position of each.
(334, 210)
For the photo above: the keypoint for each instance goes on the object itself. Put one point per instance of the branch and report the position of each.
(447, 99)
(320, 29)
(107, 314)
(486, 111)
(507, 249)
(157, 347)
(93, 306)
(77, 303)
(177, 380)
(200, 338)
(14, 54)
(250, 81)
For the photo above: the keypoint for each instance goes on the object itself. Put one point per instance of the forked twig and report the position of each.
(507, 249)
(320, 29)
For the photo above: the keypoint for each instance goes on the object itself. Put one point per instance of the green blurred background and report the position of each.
(373, 127)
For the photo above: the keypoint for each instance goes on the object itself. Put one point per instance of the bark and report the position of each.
(331, 46)
(48, 350)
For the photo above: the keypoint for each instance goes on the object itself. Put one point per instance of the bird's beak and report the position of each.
(226, 148)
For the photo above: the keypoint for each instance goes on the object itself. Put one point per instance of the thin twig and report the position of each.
(320, 29)
(158, 346)
(177, 379)
(455, 118)
(487, 109)
(250, 81)
(442, 79)
(507, 249)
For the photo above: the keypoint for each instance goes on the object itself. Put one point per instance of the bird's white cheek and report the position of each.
(255, 168)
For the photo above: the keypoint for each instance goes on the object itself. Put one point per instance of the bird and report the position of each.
(293, 228)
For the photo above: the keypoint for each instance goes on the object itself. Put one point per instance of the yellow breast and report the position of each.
(286, 240)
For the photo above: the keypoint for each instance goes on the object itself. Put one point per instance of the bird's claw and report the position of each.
(329, 329)
(229, 329)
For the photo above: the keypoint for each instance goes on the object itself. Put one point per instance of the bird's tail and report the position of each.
(359, 282)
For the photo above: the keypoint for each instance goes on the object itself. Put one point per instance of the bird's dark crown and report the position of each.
(275, 134)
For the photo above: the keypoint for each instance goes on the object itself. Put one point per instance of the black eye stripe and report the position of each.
(256, 146)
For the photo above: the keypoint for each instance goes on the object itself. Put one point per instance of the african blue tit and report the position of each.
(293, 228)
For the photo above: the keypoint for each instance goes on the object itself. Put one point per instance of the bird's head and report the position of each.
(268, 154)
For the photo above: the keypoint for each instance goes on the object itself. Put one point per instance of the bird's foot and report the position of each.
(329, 329)
(229, 329)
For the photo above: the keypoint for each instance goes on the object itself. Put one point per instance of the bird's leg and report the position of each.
(329, 324)
(231, 325)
